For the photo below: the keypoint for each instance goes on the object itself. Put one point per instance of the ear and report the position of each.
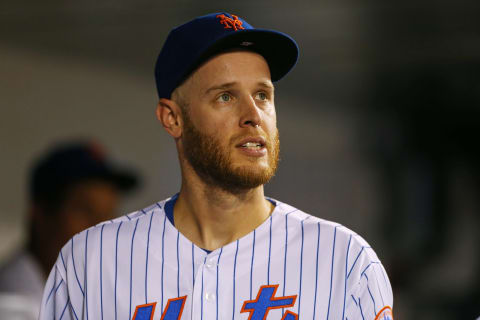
(169, 115)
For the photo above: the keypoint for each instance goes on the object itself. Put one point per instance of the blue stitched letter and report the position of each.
(144, 312)
(173, 310)
(265, 301)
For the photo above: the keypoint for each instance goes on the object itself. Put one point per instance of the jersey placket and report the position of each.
(210, 298)
(204, 302)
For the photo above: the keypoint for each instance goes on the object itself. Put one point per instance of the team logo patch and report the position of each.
(385, 314)
(230, 23)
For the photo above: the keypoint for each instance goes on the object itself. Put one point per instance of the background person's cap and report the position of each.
(192, 43)
(69, 163)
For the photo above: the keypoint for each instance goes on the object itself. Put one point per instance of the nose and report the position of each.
(250, 116)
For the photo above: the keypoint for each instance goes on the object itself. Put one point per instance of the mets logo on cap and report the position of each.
(230, 23)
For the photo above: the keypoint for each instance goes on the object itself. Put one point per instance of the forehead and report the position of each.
(239, 66)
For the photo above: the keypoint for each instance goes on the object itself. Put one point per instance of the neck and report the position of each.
(211, 217)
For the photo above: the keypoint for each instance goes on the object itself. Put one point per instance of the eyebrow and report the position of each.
(224, 86)
(267, 84)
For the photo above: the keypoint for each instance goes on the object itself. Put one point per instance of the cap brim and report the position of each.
(279, 50)
(123, 180)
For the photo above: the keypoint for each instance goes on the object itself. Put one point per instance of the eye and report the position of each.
(262, 96)
(224, 97)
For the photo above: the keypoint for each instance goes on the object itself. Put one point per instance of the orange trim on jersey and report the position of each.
(275, 286)
(289, 312)
(385, 309)
(184, 298)
(153, 304)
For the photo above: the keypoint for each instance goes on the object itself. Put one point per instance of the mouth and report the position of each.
(252, 143)
(255, 147)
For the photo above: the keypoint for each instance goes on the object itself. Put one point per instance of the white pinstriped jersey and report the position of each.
(293, 266)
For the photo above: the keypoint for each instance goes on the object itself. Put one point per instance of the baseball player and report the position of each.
(219, 249)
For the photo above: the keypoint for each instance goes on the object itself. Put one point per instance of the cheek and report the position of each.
(217, 127)
(270, 124)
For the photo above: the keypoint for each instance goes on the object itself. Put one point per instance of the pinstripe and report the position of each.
(146, 259)
(86, 276)
(378, 287)
(178, 265)
(218, 263)
(116, 267)
(346, 267)
(269, 251)
(163, 253)
(53, 289)
(251, 266)
(331, 272)
(316, 272)
(201, 296)
(285, 259)
(301, 269)
(64, 308)
(101, 271)
(360, 306)
(356, 303)
(366, 268)
(63, 261)
(234, 269)
(353, 265)
(373, 301)
(295, 210)
(193, 265)
(58, 287)
(385, 279)
(131, 268)
(75, 269)
(73, 309)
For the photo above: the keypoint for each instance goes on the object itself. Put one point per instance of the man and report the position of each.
(219, 249)
(72, 187)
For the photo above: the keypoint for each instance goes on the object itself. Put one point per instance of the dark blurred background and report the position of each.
(378, 121)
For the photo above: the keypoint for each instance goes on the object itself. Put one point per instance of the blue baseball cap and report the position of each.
(189, 45)
(73, 162)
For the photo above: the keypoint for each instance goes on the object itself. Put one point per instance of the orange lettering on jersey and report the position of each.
(230, 23)
(386, 313)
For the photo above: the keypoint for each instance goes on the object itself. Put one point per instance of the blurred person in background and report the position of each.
(72, 187)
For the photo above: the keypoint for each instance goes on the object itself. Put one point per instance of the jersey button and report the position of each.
(211, 263)
(210, 297)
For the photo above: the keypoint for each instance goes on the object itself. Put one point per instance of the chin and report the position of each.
(252, 177)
